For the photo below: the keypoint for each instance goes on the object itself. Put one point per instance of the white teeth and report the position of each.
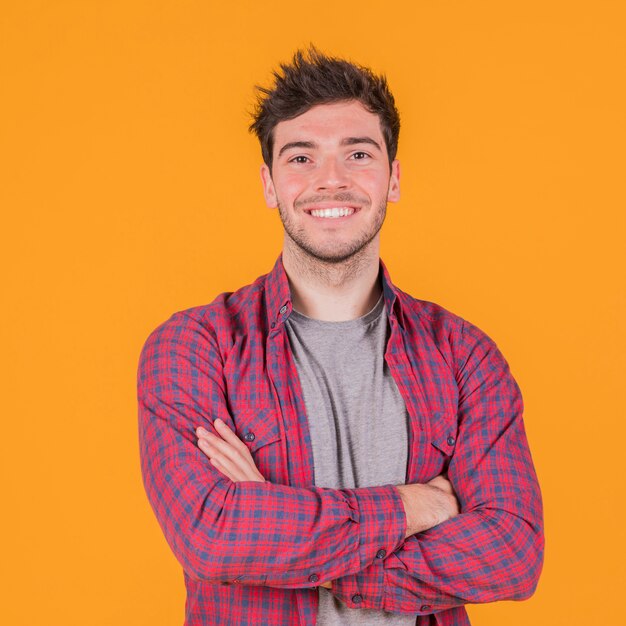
(334, 212)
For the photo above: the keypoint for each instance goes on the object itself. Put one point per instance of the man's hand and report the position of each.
(228, 453)
(427, 505)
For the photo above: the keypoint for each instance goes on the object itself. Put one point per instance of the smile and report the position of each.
(332, 212)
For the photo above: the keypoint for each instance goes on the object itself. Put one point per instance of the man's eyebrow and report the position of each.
(297, 144)
(346, 141)
(350, 141)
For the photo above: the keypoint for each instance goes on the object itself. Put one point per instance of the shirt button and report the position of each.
(357, 598)
(450, 441)
(314, 578)
(381, 554)
(249, 436)
(425, 607)
(283, 309)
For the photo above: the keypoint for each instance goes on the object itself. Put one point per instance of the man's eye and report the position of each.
(360, 155)
(299, 159)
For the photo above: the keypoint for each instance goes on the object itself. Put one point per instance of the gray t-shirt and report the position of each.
(357, 419)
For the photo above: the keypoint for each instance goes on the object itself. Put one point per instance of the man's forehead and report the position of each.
(337, 121)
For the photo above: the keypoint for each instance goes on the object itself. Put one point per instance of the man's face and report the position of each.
(330, 179)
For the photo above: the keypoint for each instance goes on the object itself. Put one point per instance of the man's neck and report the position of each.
(333, 292)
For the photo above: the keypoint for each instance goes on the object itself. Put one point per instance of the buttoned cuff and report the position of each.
(382, 523)
(363, 590)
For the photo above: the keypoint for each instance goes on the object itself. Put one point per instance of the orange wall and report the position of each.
(130, 190)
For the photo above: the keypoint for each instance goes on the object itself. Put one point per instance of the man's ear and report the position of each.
(268, 187)
(393, 195)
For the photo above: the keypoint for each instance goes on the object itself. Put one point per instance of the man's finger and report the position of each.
(229, 457)
(227, 468)
(239, 451)
(236, 463)
(228, 435)
(227, 448)
(235, 468)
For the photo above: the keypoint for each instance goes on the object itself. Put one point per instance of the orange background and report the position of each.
(130, 190)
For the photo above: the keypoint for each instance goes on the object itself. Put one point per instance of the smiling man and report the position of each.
(331, 180)
(319, 447)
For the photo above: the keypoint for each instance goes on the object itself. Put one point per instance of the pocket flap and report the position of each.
(443, 432)
(256, 426)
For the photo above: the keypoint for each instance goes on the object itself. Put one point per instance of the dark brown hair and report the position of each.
(314, 78)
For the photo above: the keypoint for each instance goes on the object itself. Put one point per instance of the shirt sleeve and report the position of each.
(243, 532)
(493, 550)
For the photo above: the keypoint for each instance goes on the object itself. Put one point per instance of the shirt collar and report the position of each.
(278, 304)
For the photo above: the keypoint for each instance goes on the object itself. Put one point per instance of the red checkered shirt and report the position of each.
(255, 552)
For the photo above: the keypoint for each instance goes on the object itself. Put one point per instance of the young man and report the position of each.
(319, 447)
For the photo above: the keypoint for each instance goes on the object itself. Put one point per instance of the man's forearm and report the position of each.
(425, 506)
(494, 549)
(257, 532)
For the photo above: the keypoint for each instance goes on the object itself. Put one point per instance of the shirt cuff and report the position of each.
(363, 590)
(382, 522)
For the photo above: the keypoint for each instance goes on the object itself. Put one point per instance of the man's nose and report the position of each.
(331, 176)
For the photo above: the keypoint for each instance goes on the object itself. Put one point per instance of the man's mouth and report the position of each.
(332, 212)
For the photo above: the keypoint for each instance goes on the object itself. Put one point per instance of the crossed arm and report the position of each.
(282, 535)
(425, 505)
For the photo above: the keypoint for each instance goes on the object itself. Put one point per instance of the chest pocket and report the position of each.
(259, 429)
(443, 432)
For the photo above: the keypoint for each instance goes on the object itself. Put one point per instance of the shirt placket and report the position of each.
(297, 450)
(401, 371)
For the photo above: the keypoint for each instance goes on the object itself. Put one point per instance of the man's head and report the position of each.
(313, 78)
(329, 133)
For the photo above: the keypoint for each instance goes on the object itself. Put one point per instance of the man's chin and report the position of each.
(331, 256)
(325, 251)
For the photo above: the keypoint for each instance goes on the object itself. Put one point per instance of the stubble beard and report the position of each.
(348, 253)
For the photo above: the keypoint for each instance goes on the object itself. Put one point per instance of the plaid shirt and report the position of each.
(253, 552)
